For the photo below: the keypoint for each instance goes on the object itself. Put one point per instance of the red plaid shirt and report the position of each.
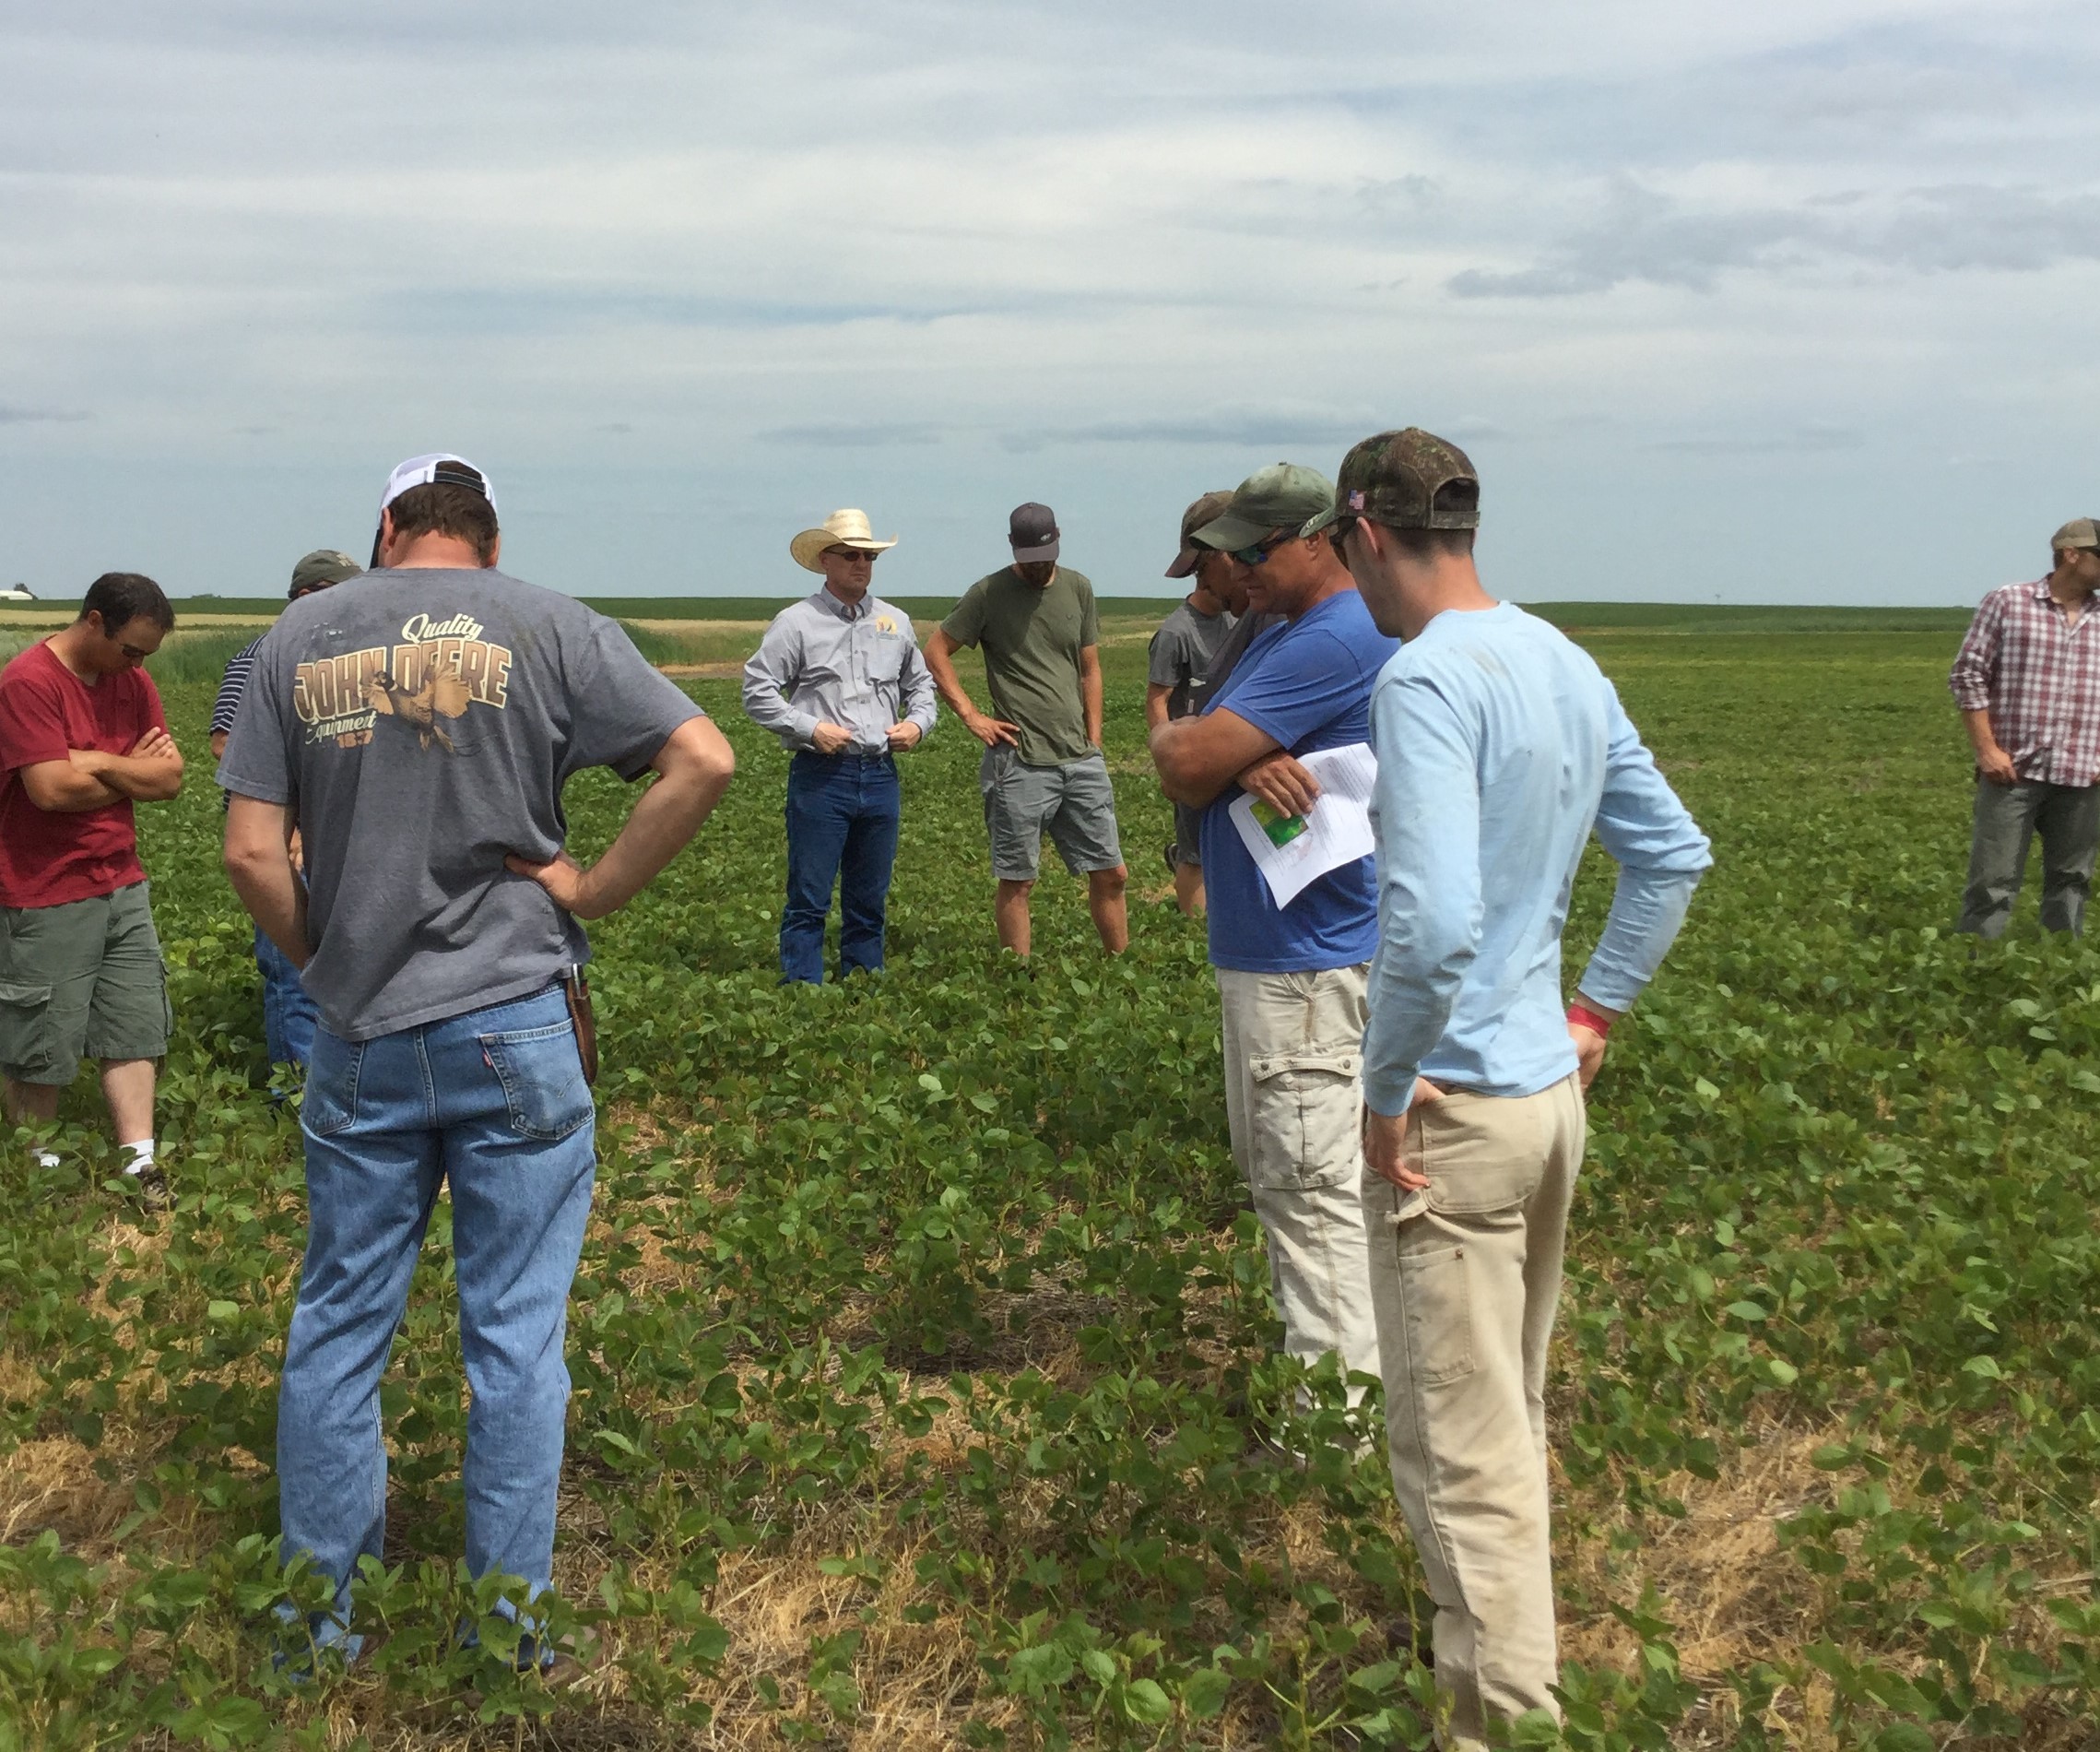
(2037, 673)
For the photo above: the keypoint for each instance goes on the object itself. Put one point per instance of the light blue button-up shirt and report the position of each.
(1500, 747)
(822, 662)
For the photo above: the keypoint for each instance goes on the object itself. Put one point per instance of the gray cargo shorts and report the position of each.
(81, 979)
(1075, 804)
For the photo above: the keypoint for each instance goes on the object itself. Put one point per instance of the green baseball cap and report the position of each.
(321, 567)
(1409, 480)
(1282, 496)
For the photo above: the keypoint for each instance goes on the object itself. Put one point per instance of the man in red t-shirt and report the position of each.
(82, 738)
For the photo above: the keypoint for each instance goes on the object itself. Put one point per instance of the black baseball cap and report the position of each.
(1031, 532)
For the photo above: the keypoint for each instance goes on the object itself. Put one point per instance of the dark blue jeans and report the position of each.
(288, 1012)
(842, 829)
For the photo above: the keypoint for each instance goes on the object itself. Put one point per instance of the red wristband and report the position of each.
(1583, 1016)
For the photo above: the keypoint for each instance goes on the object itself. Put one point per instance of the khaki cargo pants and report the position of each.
(1294, 1100)
(1466, 1278)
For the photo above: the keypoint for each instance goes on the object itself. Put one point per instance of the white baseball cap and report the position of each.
(420, 471)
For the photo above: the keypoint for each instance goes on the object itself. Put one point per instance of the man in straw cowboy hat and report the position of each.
(839, 678)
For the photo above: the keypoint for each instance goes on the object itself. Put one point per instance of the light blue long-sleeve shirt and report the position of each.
(821, 662)
(1500, 747)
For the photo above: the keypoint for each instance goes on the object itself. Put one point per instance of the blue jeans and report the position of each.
(494, 1103)
(842, 828)
(289, 1016)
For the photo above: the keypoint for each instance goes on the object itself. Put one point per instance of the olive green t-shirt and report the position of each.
(1032, 639)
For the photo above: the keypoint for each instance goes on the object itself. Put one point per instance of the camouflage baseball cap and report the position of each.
(1205, 510)
(1282, 496)
(2079, 532)
(1410, 480)
(322, 566)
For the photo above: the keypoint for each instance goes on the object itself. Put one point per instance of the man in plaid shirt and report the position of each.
(2027, 678)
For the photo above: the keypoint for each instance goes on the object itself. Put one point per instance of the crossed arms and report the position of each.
(90, 778)
(1199, 757)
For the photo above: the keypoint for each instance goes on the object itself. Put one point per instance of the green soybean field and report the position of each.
(922, 1338)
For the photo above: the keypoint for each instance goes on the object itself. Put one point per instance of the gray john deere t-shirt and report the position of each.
(420, 725)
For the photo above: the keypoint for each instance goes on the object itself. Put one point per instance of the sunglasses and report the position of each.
(1258, 554)
(1338, 531)
(851, 554)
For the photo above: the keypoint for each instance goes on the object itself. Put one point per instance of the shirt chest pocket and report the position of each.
(884, 658)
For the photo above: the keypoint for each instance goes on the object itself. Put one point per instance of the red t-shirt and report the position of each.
(48, 858)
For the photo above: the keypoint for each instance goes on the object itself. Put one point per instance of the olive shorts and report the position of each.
(83, 980)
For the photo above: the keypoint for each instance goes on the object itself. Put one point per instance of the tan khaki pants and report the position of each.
(1294, 1100)
(1466, 1278)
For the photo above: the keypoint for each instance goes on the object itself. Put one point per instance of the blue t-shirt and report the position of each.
(1307, 684)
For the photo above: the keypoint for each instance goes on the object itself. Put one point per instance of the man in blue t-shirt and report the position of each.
(1291, 979)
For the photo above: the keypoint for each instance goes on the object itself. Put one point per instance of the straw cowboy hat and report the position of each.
(840, 529)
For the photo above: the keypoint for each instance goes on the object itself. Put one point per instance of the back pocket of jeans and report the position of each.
(330, 1103)
(542, 1076)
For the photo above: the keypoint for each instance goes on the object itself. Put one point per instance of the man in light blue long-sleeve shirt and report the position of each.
(1501, 747)
(839, 678)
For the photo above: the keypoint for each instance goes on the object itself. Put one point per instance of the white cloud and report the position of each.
(673, 265)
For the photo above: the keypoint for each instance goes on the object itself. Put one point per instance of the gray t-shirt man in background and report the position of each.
(1178, 671)
(417, 726)
(1042, 771)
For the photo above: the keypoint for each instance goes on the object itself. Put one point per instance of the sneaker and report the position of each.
(149, 1187)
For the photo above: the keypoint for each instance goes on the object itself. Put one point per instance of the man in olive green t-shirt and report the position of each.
(1043, 769)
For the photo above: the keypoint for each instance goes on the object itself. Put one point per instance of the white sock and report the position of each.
(141, 1155)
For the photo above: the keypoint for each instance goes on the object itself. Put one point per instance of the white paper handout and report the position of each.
(1337, 829)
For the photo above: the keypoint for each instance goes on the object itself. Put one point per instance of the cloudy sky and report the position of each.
(1793, 302)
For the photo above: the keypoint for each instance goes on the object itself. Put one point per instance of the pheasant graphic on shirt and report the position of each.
(444, 695)
(425, 683)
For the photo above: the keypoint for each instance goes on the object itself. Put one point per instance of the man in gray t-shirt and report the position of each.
(417, 726)
(1178, 675)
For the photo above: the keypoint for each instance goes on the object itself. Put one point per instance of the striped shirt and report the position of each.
(2036, 671)
(233, 685)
